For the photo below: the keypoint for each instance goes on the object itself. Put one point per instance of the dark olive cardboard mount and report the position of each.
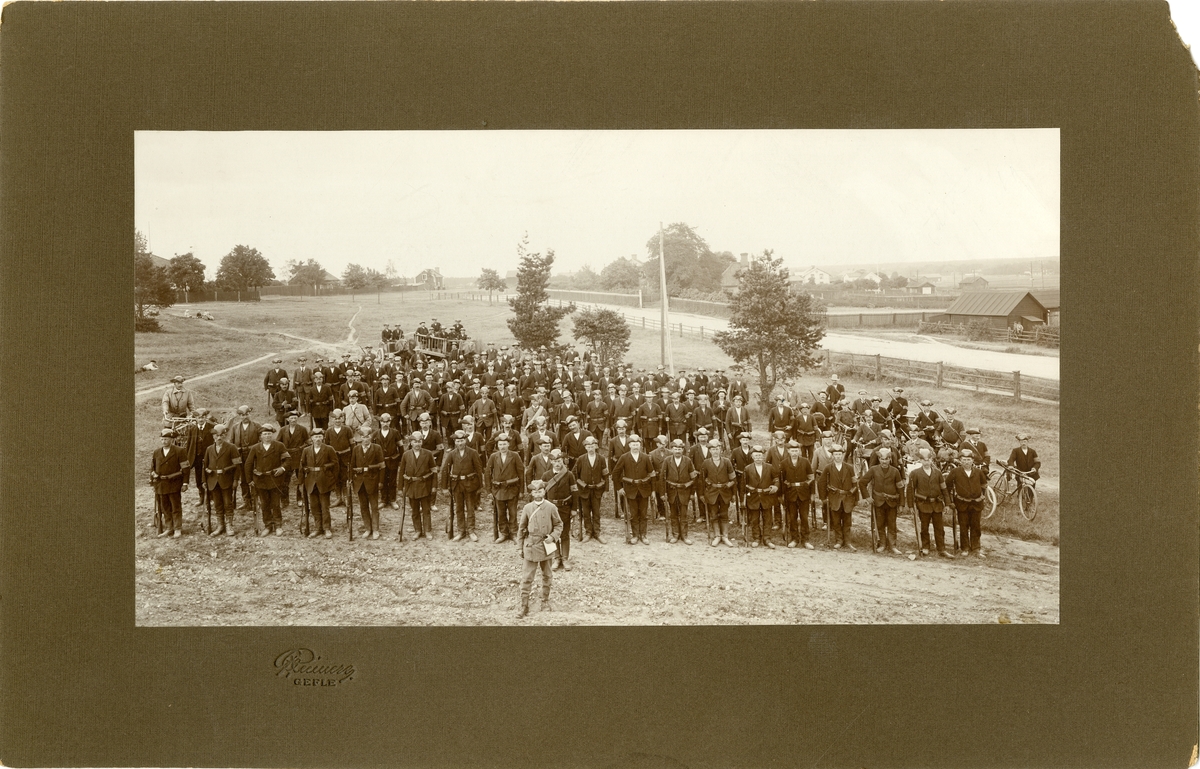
(1115, 684)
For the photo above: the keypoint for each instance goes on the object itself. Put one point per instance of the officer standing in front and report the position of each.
(537, 524)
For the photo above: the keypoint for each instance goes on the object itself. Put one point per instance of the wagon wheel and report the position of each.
(989, 503)
(1027, 498)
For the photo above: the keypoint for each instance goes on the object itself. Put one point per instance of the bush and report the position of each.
(146, 324)
(977, 330)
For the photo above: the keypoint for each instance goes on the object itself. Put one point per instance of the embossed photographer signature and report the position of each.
(305, 668)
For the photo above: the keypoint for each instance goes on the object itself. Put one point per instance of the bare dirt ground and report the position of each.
(288, 580)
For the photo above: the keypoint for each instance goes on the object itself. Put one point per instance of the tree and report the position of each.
(309, 273)
(151, 286)
(186, 272)
(622, 274)
(585, 279)
(690, 262)
(534, 323)
(355, 277)
(772, 329)
(490, 281)
(607, 333)
(244, 268)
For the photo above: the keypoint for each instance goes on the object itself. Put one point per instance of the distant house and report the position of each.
(430, 279)
(973, 283)
(1049, 299)
(814, 274)
(327, 279)
(874, 276)
(729, 278)
(160, 261)
(999, 309)
(921, 288)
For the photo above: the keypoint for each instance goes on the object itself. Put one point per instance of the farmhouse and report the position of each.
(430, 279)
(1049, 299)
(814, 274)
(327, 279)
(999, 309)
(973, 283)
(729, 278)
(921, 288)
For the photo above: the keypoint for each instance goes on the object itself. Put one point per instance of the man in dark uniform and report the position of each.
(926, 421)
(835, 392)
(978, 448)
(737, 419)
(634, 470)
(283, 400)
(677, 418)
(220, 462)
(759, 486)
(796, 479)
(266, 465)
(318, 477)
(718, 482)
(294, 438)
(591, 471)
(417, 473)
(243, 434)
(451, 408)
(366, 464)
(271, 380)
(320, 401)
(168, 473)
(887, 490)
(597, 415)
(462, 474)
(927, 492)
(560, 490)
(806, 429)
(341, 439)
(836, 488)
(302, 382)
(538, 525)
(197, 437)
(503, 474)
(966, 485)
(780, 418)
(391, 441)
(678, 477)
(387, 397)
(1024, 458)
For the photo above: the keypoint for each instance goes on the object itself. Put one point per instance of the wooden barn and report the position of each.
(1000, 309)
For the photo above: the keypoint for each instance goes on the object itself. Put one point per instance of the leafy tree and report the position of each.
(606, 331)
(186, 272)
(490, 281)
(309, 273)
(772, 329)
(623, 274)
(585, 279)
(534, 323)
(690, 262)
(355, 277)
(864, 284)
(151, 286)
(244, 268)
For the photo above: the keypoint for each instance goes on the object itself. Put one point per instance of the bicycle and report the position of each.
(1006, 482)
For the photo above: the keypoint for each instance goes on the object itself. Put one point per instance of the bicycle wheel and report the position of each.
(1027, 498)
(989, 503)
(1001, 481)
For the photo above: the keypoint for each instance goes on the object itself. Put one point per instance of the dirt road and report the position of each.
(922, 348)
(288, 580)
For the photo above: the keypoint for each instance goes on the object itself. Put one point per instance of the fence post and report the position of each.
(860, 319)
(239, 295)
(1017, 385)
(878, 365)
(702, 333)
(643, 321)
(939, 374)
(681, 330)
(829, 360)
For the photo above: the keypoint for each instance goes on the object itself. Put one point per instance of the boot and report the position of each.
(557, 563)
(523, 609)
(546, 600)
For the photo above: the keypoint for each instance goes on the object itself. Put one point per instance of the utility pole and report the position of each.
(662, 285)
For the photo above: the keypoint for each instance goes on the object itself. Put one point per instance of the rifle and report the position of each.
(254, 513)
(350, 508)
(619, 495)
(829, 528)
(667, 523)
(737, 498)
(450, 521)
(208, 508)
(579, 514)
(784, 511)
(495, 517)
(307, 509)
(707, 522)
(158, 521)
(954, 525)
(874, 536)
(916, 528)
(403, 512)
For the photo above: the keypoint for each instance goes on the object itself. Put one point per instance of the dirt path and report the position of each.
(314, 343)
(921, 348)
(288, 580)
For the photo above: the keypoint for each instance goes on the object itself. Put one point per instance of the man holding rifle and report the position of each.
(221, 461)
(836, 488)
(168, 473)
(796, 479)
(503, 474)
(318, 476)
(591, 472)
(366, 465)
(266, 466)
(966, 483)
(677, 476)
(417, 470)
(634, 471)
(887, 489)
(718, 482)
(560, 490)
(759, 486)
(928, 493)
(462, 473)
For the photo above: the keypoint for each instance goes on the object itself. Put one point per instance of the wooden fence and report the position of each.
(941, 374)
(187, 297)
(1044, 336)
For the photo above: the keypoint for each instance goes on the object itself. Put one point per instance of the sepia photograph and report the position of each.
(676, 377)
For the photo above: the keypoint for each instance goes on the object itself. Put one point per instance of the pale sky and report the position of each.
(460, 200)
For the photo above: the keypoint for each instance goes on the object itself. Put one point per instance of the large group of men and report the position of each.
(387, 430)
